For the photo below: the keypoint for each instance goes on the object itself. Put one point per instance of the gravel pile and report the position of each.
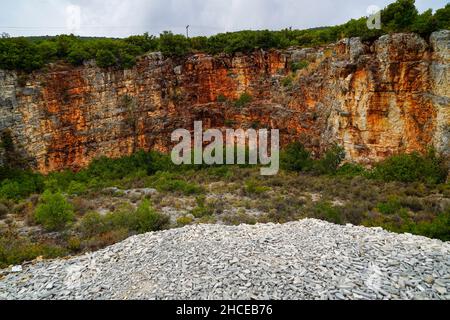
(308, 259)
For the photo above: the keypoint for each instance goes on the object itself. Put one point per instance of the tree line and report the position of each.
(28, 54)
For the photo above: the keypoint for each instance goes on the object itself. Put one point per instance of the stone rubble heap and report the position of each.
(308, 259)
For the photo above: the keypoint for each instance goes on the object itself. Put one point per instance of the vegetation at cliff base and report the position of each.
(71, 212)
(408, 168)
(28, 54)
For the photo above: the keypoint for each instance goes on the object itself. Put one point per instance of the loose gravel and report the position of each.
(308, 259)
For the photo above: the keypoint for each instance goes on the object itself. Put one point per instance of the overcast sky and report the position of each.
(121, 18)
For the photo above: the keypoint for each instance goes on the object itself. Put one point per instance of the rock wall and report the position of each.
(375, 99)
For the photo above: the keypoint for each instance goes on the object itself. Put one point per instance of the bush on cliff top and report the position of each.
(28, 54)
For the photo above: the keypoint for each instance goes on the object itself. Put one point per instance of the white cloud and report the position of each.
(73, 18)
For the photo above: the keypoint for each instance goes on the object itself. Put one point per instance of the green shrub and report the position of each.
(105, 58)
(122, 218)
(74, 244)
(253, 187)
(391, 206)
(243, 100)
(221, 172)
(438, 228)
(148, 219)
(287, 82)
(10, 189)
(229, 123)
(184, 221)
(16, 249)
(203, 209)
(200, 200)
(91, 224)
(221, 98)
(180, 186)
(200, 212)
(331, 160)
(412, 168)
(54, 212)
(351, 170)
(442, 18)
(143, 219)
(76, 188)
(425, 23)
(173, 45)
(326, 211)
(107, 169)
(18, 184)
(241, 217)
(300, 65)
(104, 239)
(296, 158)
(167, 182)
(78, 55)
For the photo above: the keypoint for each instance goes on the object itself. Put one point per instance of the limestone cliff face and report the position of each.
(374, 99)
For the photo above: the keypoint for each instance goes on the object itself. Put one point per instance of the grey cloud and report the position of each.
(121, 18)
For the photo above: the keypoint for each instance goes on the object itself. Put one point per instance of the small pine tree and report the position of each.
(54, 212)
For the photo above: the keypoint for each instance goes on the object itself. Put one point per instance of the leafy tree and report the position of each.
(145, 42)
(126, 60)
(19, 54)
(199, 43)
(442, 18)
(425, 23)
(47, 50)
(64, 44)
(399, 16)
(173, 45)
(78, 55)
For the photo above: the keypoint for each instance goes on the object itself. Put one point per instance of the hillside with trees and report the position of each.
(28, 54)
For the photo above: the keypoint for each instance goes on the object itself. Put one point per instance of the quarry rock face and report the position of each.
(375, 99)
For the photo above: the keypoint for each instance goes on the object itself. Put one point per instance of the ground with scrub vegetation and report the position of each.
(69, 213)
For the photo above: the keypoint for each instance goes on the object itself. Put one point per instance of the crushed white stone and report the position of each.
(308, 259)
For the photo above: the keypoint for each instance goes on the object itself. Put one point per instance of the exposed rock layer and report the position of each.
(375, 99)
